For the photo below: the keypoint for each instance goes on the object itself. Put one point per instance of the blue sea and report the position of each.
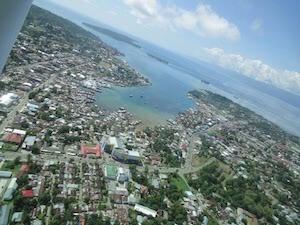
(167, 96)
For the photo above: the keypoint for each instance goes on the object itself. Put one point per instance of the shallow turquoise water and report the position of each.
(163, 99)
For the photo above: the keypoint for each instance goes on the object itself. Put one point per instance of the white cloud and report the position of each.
(207, 23)
(256, 69)
(256, 25)
(202, 21)
(142, 8)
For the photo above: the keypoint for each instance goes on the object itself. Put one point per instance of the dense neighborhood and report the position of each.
(64, 160)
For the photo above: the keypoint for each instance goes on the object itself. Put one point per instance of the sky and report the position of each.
(259, 39)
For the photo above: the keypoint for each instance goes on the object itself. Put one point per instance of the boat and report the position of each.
(130, 96)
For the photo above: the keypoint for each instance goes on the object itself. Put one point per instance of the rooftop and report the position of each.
(27, 194)
(13, 138)
(7, 99)
(91, 150)
(145, 210)
(4, 214)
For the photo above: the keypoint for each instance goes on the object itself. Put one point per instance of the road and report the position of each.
(48, 215)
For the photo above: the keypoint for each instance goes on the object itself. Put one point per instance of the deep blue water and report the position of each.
(170, 84)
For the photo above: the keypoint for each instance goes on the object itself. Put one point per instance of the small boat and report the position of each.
(130, 96)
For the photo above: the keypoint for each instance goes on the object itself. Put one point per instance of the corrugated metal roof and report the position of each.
(6, 174)
(4, 214)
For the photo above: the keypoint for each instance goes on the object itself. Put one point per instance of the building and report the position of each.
(115, 142)
(17, 217)
(123, 175)
(27, 194)
(32, 107)
(7, 99)
(119, 196)
(96, 150)
(119, 154)
(29, 142)
(19, 132)
(190, 195)
(124, 155)
(109, 143)
(145, 210)
(12, 187)
(117, 148)
(36, 222)
(5, 174)
(133, 157)
(12, 138)
(4, 214)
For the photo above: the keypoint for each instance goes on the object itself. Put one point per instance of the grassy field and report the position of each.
(180, 184)
(9, 147)
(198, 161)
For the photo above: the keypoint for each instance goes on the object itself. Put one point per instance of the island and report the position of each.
(113, 34)
(158, 58)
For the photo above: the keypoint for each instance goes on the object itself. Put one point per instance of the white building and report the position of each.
(7, 99)
(145, 210)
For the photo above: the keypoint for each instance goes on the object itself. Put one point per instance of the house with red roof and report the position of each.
(12, 138)
(27, 194)
(96, 150)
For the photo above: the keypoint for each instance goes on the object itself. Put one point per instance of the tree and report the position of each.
(24, 124)
(94, 219)
(2, 85)
(45, 198)
(23, 180)
(29, 158)
(35, 150)
(17, 160)
(177, 213)
(26, 218)
(64, 129)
